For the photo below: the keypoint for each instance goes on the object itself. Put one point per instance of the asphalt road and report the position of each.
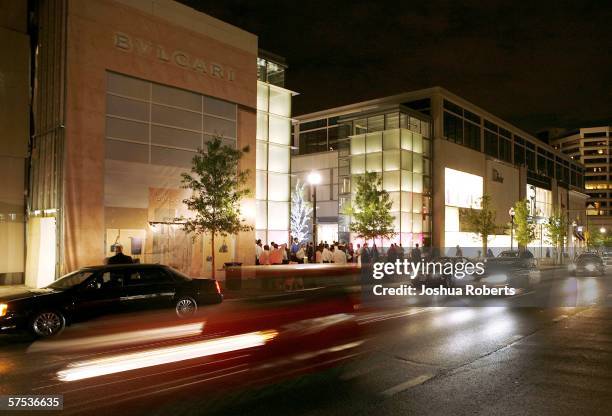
(546, 351)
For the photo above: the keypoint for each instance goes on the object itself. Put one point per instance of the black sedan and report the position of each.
(587, 263)
(94, 291)
(510, 260)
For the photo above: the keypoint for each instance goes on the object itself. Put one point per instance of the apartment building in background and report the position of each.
(592, 146)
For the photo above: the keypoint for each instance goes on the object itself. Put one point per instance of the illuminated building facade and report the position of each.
(273, 151)
(125, 92)
(593, 147)
(459, 153)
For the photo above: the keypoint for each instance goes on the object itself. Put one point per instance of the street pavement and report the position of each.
(546, 351)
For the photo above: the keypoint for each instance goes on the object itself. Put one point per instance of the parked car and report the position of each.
(100, 290)
(510, 259)
(587, 263)
(512, 267)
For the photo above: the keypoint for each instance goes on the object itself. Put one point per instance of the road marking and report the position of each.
(559, 318)
(407, 385)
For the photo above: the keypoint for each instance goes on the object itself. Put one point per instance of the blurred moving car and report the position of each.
(100, 290)
(587, 263)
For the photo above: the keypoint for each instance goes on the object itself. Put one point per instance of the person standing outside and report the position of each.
(416, 254)
(400, 252)
(295, 246)
(350, 251)
(264, 257)
(391, 254)
(258, 250)
(339, 256)
(357, 255)
(375, 254)
(365, 255)
(276, 255)
(326, 255)
(310, 253)
(119, 257)
(300, 254)
(319, 254)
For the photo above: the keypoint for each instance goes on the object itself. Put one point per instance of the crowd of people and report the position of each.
(324, 252)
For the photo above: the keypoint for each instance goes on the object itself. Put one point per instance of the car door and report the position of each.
(148, 287)
(99, 295)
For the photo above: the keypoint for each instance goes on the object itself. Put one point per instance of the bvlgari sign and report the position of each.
(179, 58)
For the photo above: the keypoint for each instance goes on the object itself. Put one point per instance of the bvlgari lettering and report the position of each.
(179, 58)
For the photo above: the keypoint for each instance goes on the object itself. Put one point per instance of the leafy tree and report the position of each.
(524, 230)
(371, 213)
(557, 233)
(598, 239)
(217, 188)
(482, 221)
(301, 212)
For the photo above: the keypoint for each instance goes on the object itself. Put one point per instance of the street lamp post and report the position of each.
(511, 212)
(314, 178)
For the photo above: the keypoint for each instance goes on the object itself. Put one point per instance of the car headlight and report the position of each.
(3, 309)
(590, 267)
(571, 266)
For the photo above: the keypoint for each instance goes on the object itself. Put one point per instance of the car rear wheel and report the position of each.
(186, 306)
(47, 323)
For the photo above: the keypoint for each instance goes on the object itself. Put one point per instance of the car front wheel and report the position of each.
(186, 306)
(47, 323)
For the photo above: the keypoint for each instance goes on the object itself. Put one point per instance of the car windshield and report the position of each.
(508, 254)
(70, 280)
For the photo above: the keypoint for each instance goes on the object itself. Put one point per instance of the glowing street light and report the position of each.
(314, 178)
(602, 230)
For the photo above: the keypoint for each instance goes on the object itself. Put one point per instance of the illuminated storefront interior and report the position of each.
(540, 204)
(463, 191)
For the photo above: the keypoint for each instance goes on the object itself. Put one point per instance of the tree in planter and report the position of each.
(371, 214)
(557, 232)
(523, 228)
(300, 214)
(217, 187)
(482, 221)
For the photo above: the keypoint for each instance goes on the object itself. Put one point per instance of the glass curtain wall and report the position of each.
(273, 155)
(397, 147)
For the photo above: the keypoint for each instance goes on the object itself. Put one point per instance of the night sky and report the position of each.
(537, 64)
